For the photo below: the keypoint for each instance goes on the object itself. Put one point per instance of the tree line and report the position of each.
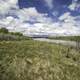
(6, 31)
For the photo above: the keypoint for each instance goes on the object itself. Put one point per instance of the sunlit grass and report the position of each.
(33, 60)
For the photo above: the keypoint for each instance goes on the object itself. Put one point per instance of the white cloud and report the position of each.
(69, 24)
(74, 6)
(49, 3)
(5, 5)
(42, 25)
(27, 13)
(55, 28)
(31, 14)
(64, 16)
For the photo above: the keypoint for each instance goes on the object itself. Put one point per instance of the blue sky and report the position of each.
(59, 6)
(38, 17)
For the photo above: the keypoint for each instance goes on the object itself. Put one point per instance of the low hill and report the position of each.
(12, 37)
(5, 35)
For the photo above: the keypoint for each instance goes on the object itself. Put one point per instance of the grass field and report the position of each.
(70, 38)
(33, 60)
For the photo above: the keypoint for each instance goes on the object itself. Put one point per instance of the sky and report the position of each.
(41, 17)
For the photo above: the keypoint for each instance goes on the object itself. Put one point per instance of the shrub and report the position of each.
(16, 33)
(4, 30)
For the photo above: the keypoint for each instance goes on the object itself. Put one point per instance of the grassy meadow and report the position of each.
(22, 58)
(34, 60)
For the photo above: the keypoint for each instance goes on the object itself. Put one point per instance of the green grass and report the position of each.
(33, 60)
(70, 38)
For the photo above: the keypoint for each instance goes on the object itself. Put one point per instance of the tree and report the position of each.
(16, 33)
(4, 30)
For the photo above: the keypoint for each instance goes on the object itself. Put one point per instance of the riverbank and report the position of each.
(62, 42)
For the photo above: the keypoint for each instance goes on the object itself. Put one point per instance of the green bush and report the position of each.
(16, 33)
(10, 37)
(4, 30)
(5, 35)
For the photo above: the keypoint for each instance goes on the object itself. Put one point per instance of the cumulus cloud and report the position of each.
(70, 24)
(75, 6)
(27, 13)
(68, 27)
(5, 5)
(21, 24)
(42, 24)
(64, 16)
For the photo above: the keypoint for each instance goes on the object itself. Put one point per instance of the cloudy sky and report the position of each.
(41, 17)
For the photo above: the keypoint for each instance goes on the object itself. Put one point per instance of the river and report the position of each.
(63, 42)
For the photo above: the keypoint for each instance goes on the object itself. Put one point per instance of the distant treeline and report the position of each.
(71, 38)
(6, 35)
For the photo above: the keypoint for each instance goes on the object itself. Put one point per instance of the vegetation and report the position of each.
(4, 30)
(22, 58)
(33, 60)
(10, 36)
(16, 33)
(71, 38)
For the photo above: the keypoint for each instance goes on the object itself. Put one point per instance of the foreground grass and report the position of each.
(70, 38)
(33, 60)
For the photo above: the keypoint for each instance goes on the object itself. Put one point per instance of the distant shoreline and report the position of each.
(63, 42)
